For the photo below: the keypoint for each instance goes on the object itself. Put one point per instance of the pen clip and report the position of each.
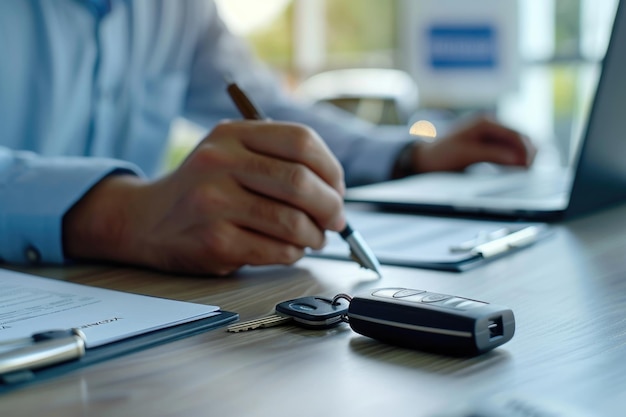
(482, 236)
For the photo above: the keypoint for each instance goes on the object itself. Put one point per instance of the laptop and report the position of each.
(596, 179)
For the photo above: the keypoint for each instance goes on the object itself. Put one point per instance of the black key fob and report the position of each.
(314, 312)
(429, 321)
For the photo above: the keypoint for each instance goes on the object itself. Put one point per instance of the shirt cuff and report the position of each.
(374, 161)
(36, 193)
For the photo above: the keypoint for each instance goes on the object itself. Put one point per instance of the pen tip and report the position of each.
(367, 262)
(376, 268)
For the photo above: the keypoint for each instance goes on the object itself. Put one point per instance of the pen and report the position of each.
(359, 250)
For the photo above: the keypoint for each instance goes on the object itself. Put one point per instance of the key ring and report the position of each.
(344, 318)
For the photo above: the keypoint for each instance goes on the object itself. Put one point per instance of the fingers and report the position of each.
(285, 162)
(259, 214)
(480, 141)
(218, 227)
(261, 250)
(281, 223)
(494, 153)
(502, 145)
(296, 185)
(233, 227)
(290, 142)
(226, 248)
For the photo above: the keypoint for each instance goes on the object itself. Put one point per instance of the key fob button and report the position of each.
(433, 298)
(302, 307)
(407, 293)
(415, 298)
(453, 302)
(386, 292)
(469, 304)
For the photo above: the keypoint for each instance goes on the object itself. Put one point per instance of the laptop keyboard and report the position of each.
(532, 189)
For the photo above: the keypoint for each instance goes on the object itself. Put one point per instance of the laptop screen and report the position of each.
(600, 178)
(598, 168)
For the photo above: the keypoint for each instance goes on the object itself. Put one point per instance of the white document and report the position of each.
(30, 304)
(442, 243)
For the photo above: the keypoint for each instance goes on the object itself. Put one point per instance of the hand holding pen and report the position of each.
(250, 193)
(360, 251)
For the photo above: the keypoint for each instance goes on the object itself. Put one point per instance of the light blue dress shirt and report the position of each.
(87, 93)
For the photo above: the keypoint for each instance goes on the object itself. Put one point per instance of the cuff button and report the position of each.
(32, 255)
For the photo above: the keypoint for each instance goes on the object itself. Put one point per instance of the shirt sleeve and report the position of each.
(366, 153)
(35, 194)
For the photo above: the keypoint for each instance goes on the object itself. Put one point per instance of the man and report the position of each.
(88, 89)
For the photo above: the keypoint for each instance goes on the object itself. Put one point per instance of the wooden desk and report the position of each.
(568, 295)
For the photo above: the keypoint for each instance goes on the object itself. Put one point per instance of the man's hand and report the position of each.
(251, 193)
(479, 141)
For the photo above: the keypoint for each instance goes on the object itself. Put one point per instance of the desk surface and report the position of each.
(568, 294)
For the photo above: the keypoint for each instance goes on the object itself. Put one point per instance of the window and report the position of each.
(561, 44)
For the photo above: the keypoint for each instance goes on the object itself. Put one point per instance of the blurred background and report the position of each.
(533, 64)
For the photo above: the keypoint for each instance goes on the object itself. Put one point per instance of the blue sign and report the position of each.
(462, 47)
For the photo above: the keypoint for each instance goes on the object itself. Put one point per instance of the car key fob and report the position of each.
(430, 321)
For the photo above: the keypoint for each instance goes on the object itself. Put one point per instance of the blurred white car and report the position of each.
(380, 96)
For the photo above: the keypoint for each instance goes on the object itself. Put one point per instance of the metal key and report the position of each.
(309, 312)
(260, 323)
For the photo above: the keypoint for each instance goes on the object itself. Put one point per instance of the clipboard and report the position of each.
(49, 327)
(434, 242)
(18, 379)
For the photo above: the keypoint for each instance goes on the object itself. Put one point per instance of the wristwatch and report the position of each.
(404, 165)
